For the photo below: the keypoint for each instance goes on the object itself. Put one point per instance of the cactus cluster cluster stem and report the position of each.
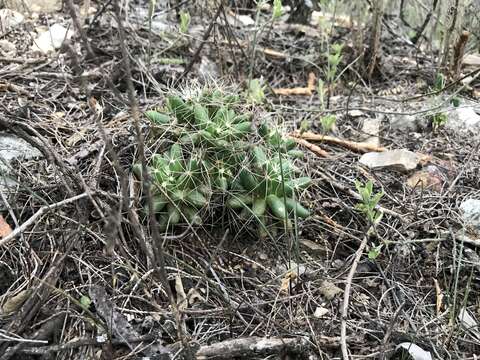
(218, 156)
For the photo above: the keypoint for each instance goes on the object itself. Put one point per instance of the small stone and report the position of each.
(337, 264)
(320, 312)
(240, 20)
(463, 118)
(355, 113)
(12, 147)
(9, 19)
(6, 47)
(472, 60)
(51, 39)
(39, 6)
(430, 178)
(471, 212)
(401, 160)
(370, 130)
(406, 123)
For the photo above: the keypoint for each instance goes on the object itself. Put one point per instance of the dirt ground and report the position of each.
(81, 286)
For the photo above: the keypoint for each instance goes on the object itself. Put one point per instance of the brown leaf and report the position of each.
(15, 302)
(5, 229)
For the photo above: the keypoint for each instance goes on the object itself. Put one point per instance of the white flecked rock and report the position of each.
(401, 160)
(52, 39)
(471, 212)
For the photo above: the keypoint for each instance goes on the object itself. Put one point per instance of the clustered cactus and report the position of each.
(217, 155)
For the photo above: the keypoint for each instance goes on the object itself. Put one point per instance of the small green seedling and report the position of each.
(255, 92)
(277, 9)
(321, 91)
(438, 120)
(333, 60)
(439, 83)
(85, 301)
(328, 123)
(369, 202)
(455, 101)
(375, 252)
(184, 21)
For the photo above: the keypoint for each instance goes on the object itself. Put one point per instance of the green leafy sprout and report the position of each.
(184, 21)
(328, 122)
(277, 9)
(369, 201)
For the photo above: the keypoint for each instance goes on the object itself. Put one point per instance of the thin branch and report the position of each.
(44, 209)
(346, 297)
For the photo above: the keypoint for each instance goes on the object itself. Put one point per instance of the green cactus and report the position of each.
(213, 159)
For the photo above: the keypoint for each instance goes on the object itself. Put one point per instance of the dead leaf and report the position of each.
(182, 301)
(289, 276)
(15, 302)
(439, 296)
(311, 81)
(5, 229)
(329, 290)
(194, 296)
(424, 180)
(274, 53)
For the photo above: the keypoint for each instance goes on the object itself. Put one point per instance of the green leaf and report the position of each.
(374, 252)
(85, 301)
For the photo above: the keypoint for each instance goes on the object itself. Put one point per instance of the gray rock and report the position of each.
(7, 47)
(12, 147)
(38, 6)
(463, 118)
(370, 130)
(52, 39)
(401, 160)
(9, 19)
(407, 123)
(471, 212)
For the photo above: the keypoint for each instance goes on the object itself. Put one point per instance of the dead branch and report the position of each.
(352, 145)
(248, 347)
(38, 214)
(312, 147)
(346, 297)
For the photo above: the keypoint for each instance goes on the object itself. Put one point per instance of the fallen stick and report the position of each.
(44, 209)
(299, 90)
(352, 145)
(346, 297)
(248, 347)
(312, 147)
